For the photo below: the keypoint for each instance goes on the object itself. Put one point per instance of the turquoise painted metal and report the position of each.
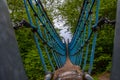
(82, 45)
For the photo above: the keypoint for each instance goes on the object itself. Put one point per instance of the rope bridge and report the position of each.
(79, 52)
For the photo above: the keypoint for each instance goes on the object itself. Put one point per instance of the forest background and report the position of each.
(69, 10)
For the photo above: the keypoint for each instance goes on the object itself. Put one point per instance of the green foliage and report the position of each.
(33, 65)
(104, 49)
(29, 54)
(70, 11)
(108, 8)
(17, 10)
(95, 78)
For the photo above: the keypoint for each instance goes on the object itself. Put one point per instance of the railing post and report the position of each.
(11, 67)
(115, 73)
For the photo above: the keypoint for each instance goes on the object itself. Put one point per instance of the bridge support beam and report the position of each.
(115, 73)
(11, 67)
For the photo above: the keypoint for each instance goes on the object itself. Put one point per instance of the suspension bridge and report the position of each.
(86, 31)
(72, 58)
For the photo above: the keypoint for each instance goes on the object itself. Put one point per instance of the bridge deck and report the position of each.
(68, 71)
